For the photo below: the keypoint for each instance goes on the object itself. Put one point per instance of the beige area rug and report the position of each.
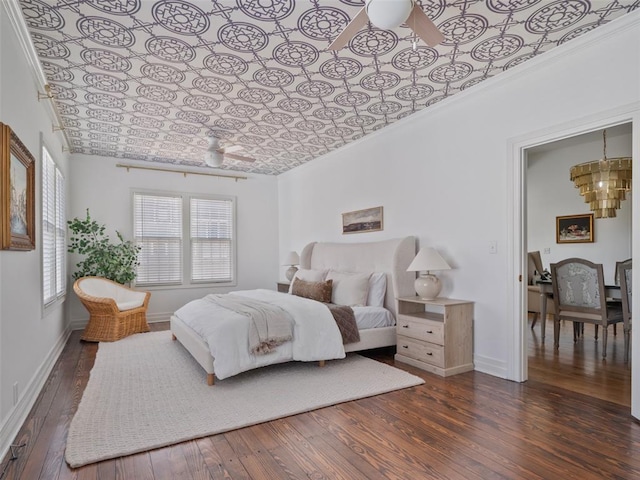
(146, 391)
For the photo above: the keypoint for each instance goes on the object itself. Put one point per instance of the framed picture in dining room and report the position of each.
(574, 228)
(17, 193)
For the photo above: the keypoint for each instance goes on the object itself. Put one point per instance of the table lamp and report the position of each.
(292, 259)
(427, 285)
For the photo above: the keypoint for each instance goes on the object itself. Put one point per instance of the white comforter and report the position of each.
(315, 333)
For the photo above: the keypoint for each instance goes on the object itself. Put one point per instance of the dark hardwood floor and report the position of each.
(579, 367)
(470, 426)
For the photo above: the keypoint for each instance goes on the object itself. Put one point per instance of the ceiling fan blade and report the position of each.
(356, 24)
(232, 148)
(420, 23)
(233, 156)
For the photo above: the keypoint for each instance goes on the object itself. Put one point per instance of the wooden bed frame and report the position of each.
(389, 256)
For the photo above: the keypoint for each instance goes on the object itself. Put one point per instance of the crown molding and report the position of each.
(14, 13)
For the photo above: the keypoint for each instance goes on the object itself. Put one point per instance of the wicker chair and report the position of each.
(115, 310)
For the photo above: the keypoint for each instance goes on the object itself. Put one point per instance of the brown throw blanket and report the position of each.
(346, 321)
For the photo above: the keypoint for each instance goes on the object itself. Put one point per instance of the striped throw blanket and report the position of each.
(269, 326)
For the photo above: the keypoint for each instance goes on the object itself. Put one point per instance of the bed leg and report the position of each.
(321, 363)
(210, 378)
(173, 337)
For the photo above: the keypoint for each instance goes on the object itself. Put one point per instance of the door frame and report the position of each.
(517, 232)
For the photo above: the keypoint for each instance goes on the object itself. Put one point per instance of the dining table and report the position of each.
(546, 292)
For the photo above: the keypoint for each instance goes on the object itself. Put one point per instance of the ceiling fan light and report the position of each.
(387, 14)
(213, 158)
(213, 144)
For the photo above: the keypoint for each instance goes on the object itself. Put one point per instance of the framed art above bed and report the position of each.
(362, 221)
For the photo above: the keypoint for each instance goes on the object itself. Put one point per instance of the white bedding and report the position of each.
(316, 335)
(373, 317)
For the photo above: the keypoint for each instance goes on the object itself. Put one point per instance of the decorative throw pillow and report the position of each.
(349, 288)
(308, 275)
(318, 291)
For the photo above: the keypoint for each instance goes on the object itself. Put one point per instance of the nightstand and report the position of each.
(283, 287)
(435, 335)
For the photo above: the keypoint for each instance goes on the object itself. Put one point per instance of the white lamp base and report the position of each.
(427, 286)
(291, 271)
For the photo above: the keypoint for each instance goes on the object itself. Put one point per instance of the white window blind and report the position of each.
(158, 230)
(53, 231)
(211, 240)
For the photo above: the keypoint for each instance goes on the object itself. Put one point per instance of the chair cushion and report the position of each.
(122, 306)
(125, 298)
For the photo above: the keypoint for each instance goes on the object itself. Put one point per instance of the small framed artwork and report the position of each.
(17, 193)
(574, 228)
(361, 221)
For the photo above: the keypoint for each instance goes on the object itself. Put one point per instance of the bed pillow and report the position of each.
(308, 275)
(319, 291)
(349, 288)
(377, 289)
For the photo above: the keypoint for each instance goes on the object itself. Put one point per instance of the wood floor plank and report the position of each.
(230, 460)
(168, 463)
(136, 467)
(213, 460)
(570, 420)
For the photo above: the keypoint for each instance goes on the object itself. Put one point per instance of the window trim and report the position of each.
(186, 282)
(58, 298)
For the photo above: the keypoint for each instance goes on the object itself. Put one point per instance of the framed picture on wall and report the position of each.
(360, 221)
(17, 193)
(574, 228)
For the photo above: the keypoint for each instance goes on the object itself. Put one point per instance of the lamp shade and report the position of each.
(213, 159)
(292, 258)
(428, 259)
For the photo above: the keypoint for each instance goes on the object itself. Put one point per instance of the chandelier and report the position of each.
(603, 183)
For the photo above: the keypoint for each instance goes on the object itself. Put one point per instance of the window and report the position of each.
(161, 222)
(53, 231)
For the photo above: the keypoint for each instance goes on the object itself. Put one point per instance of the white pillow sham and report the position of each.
(349, 289)
(308, 275)
(377, 289)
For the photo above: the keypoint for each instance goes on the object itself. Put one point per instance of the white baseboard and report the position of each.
(80, 323)
(491, 366)
(17, 416)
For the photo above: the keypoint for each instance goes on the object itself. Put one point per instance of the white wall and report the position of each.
(97, 184)
(551, 193)
(30, 339)
(441, 174)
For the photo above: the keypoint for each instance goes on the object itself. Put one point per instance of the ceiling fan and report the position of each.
(216, 154)
(388, 14)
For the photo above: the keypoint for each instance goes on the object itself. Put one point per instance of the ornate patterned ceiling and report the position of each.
(151, 79)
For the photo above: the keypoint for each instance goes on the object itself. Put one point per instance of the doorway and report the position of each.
(579, 366)
(518, 229)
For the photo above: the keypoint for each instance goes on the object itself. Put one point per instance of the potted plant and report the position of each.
(114, 261)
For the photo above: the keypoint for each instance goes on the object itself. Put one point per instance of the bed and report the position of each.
(392, 257)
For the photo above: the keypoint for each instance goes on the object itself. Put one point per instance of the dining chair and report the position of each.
(625, 290)
(579, 293)
(534, 292)
(534, 264)
(617, 271)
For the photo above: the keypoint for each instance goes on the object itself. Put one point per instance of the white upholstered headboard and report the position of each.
(390, 256)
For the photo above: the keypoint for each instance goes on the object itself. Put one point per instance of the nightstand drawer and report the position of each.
(421, 329)
(423, 351)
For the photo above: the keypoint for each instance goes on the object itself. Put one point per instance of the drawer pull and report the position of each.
(405, 346)
(430, 353)
(405, 326)
(429, 331)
